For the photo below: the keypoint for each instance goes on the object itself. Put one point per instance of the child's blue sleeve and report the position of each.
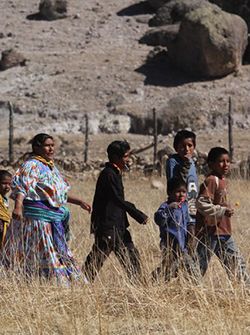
(170, 168)
(162, 215)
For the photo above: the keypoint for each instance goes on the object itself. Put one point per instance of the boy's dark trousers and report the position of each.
(174, 260)
(122, 245)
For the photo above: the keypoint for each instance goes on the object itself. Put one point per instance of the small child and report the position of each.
(173, 219)
(182, 166)
(214, 219)
(5, 181)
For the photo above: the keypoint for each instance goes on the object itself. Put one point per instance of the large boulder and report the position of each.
(239, 7)
(161, 35)
(11, 58)
(174, 11)
(210, 43)
(53, 9)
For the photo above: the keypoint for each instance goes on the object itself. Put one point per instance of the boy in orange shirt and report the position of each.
(213, 222)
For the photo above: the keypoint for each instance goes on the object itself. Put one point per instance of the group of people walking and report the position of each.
(194, 224)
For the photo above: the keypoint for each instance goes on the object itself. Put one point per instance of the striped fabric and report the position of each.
(57, 217)
(38, 182)
(41, 210)
(38, 244)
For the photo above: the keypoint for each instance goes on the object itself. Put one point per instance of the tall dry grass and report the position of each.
(112, 305)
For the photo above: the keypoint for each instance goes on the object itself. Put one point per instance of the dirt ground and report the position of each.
(79, 64)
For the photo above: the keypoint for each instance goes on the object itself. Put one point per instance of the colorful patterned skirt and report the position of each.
(30, 249)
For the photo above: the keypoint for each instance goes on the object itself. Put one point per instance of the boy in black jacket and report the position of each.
(109, 220)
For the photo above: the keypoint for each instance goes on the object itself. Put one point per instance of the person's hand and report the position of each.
(187, 158)
(17, 213)
(229, 212)
(174, 204)
(85, 206)
(145, 221)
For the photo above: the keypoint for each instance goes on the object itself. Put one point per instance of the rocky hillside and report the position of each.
(92, 62)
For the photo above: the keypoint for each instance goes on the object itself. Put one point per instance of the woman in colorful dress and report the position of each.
(37, 243)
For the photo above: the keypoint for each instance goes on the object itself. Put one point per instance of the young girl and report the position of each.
(172, 217)
(214, 219)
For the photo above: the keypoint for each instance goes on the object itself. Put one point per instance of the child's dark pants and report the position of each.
(123, 247)
(174, 260)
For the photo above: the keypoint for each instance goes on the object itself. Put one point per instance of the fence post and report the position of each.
(155, 138)
(11, 132)
(230, 129)
(86, 146)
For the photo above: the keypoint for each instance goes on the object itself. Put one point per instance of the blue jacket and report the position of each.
(173, 221)
(186, 170)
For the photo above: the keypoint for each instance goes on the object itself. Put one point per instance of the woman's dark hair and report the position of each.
(39, 140)
(175, 183)
(4, 174)
(182, 135)
(215, 153)
(117, 149)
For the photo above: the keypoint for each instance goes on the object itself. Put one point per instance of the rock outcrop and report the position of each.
(161, 35)
(53, 9)
(210, 43)
(174, 11)
(11, 58)
(239, 7)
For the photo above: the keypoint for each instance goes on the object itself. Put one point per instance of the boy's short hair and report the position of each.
(38, 140)
(182, 135)
(175, 183)
(4, 174)
(215, 153)
(117, 149)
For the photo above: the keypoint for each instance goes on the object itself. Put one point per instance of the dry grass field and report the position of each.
(80, 65)
(112, 305)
